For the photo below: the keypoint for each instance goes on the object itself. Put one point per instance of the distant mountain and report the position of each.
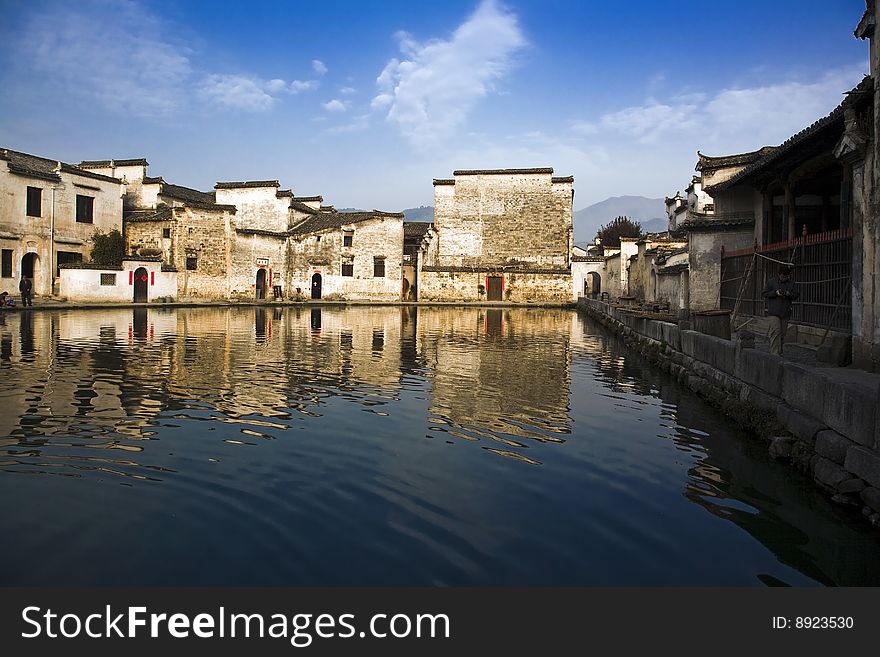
(651, 212)
(421, 213)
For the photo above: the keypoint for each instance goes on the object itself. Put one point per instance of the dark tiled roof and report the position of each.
(152, 181)
(489, 172)
(710, 163)
(186, 194)
(161, 213)
(44, 168)
(443, 181)
(303, 199)
(30, 165)
(674, 269)
(284, 193)
(861, 91)
(562, 179)
(415, 229)
(302, 207)
(75, 170)
(247, 183)
(260, 231)
(720, 223)
(139, 161)
(103, 164)
(328, 220)
(588, 258)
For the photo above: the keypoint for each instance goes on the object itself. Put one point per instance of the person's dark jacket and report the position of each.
(779, 306)
(25, 286)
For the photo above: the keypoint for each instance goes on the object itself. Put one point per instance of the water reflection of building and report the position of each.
(499, 375)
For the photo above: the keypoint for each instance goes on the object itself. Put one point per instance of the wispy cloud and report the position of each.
(319, 67)
(429, 92)
(298, 86)
(347, 91)
(240, 92)
(111, 53)
(754, 115)
(335, 105)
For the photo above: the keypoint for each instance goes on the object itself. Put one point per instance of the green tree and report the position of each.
(108, 249)
(610, 233)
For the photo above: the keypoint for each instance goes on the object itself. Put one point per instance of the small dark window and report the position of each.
(7, 263)
(379, 267)
(348, 268)
(318, 238)
(108, 279)
(66, 258)
(85, 209)
(191, 263)
(34, 202)
(348, 238)
(166, 232)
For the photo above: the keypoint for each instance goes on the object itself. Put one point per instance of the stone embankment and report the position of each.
(824, 421)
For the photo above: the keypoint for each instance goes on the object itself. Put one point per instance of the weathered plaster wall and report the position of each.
(323, 253)
(257, 207)
(704, 258)
(23, 234)
(503, 219)
(84, 285)
(522, 287)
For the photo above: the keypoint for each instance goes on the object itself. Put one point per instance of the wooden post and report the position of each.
(789, 211)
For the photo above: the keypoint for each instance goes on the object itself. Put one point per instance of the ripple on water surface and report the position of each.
(384, 446)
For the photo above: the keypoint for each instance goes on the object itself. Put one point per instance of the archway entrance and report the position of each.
(30, 268)
(140, 285)
(594, 284)
(316, 286)
(261, 283)
(493, 288)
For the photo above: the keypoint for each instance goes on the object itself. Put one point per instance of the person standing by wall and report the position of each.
(26, 287)
(779, 293)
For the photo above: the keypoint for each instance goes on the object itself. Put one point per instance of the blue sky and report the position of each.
(366, 102)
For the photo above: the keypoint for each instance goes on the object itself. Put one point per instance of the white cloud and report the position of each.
(431, 90)
(730, 119)
(335, 105)
(299, 85)
(276, 85)
(347, 90)
(319, 67)
(125, 62)
(240, 92)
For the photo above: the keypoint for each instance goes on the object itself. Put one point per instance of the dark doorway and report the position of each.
(140, 285)
(261, 284)
(30, 267)
(316, 286)
(494, 288)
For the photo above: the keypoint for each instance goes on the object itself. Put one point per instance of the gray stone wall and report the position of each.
(522, 287)
(503, 219)
(830, 416)
(323, 253)
(704, 258)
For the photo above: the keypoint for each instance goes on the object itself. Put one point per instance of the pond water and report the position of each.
(384, 446)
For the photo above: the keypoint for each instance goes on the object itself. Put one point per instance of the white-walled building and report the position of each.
(49, 213)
